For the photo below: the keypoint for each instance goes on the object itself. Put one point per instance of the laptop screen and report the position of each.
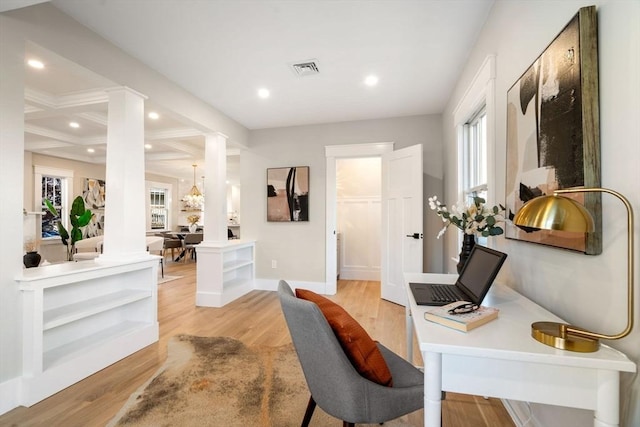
(479, 272)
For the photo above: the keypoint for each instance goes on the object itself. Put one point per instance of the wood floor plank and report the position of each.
(256, 319)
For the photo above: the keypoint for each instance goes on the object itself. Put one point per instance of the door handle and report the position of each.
(415, 235)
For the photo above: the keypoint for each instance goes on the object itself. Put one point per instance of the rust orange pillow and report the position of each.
(361, 350)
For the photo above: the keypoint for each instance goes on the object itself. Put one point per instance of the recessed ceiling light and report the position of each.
(35, 64)
(371, 80)
(74, 125)
(263, 93)
(148, 146)
(90, 150)
(153, 115)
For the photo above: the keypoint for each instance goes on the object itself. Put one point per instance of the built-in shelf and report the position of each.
(76, 311)
(235, 264)
(81, 317)
(81, 346)
(226, 271)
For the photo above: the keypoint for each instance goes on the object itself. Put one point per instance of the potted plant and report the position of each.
(31, 258)
(193, 222)
(475, 219)
(79, 217)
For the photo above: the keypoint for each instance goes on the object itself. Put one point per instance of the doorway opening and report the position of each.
(333, 153)
(359, 211)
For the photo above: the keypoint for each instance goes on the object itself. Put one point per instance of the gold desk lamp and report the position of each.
(561, 213)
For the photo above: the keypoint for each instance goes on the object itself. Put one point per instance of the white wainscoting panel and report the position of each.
(359, 225)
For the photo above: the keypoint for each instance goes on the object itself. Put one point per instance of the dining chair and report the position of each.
(189, 243)
(155, 246)
(171, 242)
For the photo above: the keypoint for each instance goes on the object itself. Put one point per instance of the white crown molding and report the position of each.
(93, 117)
(48, 133)
(174, 133)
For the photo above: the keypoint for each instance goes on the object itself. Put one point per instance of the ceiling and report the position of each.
(224, 51)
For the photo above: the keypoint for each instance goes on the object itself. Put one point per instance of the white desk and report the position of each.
(501, 359)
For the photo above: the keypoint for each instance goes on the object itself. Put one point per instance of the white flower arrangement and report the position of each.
(476, 218)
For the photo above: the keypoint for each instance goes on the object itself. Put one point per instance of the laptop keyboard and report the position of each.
(444, 293)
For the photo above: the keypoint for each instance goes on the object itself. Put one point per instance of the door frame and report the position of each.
(332, 154)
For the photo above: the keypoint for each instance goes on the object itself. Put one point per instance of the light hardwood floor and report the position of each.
(256, 319)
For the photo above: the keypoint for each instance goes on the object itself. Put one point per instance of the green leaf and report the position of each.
(64, 235)
(478, 201)
(51, 208)
(491, 221)
(77, 208)
(445, 215)
(496, 231)
(85, 218)
(76, 234)
(495, 210)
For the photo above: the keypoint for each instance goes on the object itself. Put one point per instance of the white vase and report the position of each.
(193, 228)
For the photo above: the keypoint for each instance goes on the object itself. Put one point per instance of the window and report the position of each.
(158, 208)
(475, 157)
(53, 190)
(52, 184)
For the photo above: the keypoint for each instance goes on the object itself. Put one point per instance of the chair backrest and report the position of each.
(172, 243)
(155, 244)
(90, 244)
(333, 381)
(193, 238)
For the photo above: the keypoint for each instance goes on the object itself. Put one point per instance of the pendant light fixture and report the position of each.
(194, 200)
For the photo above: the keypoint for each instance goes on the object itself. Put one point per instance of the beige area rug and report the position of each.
(166, 279)
(221, 382)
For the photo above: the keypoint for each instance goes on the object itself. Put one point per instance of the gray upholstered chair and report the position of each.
(334, 383)
(189, 243)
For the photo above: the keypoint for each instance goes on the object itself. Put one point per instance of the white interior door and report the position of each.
(401, 220)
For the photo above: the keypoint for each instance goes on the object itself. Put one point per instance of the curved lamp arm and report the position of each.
(560, 213)
(630, 276)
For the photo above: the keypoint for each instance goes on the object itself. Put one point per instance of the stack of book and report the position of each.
(463, 321)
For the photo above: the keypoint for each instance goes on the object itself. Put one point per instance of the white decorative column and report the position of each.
(226, 268)
(215, 188)
(124, 228)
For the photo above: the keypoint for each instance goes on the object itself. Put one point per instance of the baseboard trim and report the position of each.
(355, 274)
(272, 285)
(9, 394)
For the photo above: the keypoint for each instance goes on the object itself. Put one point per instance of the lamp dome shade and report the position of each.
(555, 213)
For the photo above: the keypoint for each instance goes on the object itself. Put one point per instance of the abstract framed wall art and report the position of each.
(93, 194)
(553, 135)
(288, 194)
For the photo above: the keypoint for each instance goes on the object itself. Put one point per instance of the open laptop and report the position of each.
(472, 285)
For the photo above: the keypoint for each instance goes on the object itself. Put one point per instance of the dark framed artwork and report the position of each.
(288, 194)
(553, 135)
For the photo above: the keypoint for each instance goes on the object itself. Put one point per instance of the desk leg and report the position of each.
(409, 327)
(608, 399)
(432, 389)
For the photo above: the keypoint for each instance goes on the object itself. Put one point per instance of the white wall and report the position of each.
(299, 248)
(586, 290)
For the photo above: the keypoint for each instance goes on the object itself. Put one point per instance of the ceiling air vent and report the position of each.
(306, 68)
